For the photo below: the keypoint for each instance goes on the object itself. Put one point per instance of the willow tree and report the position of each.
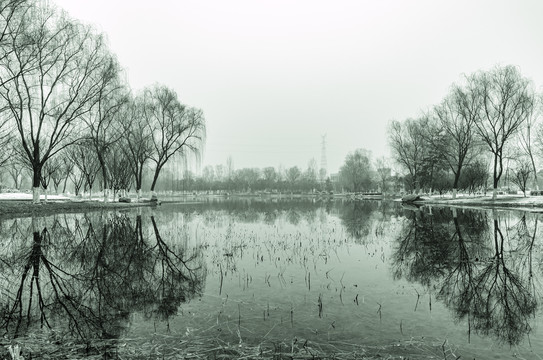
(137, 142)
(357, 173)
(175, 128)
(530, 136)
(82, 156)
(457, 115)
(12, 13)
(410, 148)
(53, 62)
(507, 103)
(103, 125)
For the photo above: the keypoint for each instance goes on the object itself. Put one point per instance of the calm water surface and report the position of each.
(257, 278)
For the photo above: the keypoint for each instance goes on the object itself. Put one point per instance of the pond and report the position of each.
(276, 279)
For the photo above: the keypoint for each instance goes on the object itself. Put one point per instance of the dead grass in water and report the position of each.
(170, 347)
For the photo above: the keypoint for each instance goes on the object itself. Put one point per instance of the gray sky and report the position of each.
(273, 76)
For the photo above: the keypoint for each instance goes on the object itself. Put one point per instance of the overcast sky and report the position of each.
(272, 77)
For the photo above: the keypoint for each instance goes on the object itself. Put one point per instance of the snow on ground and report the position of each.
(487, 200)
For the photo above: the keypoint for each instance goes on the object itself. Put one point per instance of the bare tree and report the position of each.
(12, 21)
(52, 64)
(175, 128)
(507, 100)
(475, 176)
(78, 178)
(269, 175)
(457, 115)
(384, 174)
(293, 174)
(11, 16)
(529, 136)
(137, 139)
(229, 171)
(49, 170)
(84, 159)
(229, 167)
(16, 170)
(18, 164)
(102, 120)
(65, 168)
(356, 173)
(521, 174)
(119, 171)
(409, 148)
(537, 128)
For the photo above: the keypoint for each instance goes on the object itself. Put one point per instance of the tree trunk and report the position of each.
(495, 178)
(536, 183)
(104, 172)
(155, 177)
(139, 180)
(36, 184)
(64, 187)
(456, 180)
(36, 194)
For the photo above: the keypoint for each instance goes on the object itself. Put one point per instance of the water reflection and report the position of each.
(254, 210)
(85, 275)
(114, 276)
(481, 267)
(356, 218)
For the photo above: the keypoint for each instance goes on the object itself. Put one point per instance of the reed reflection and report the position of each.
(85, 275)
(483, 274)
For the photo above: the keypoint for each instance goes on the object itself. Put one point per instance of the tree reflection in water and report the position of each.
(257, 210)
(501, 299)
(483, 274)
(86, 276)
(356, 217)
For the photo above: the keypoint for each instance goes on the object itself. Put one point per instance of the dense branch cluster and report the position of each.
(484, 128)
(66, 111)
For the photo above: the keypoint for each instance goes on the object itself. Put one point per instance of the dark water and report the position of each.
(269, 279)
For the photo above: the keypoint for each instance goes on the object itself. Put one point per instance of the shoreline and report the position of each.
(24, 207)
(502, 202)
(20, 208)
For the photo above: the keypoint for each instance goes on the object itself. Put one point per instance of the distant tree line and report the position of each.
(222, 178)
(485, 128)
(359, 173)
(67, 113)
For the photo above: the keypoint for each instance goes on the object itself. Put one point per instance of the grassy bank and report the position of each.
(16, 208)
